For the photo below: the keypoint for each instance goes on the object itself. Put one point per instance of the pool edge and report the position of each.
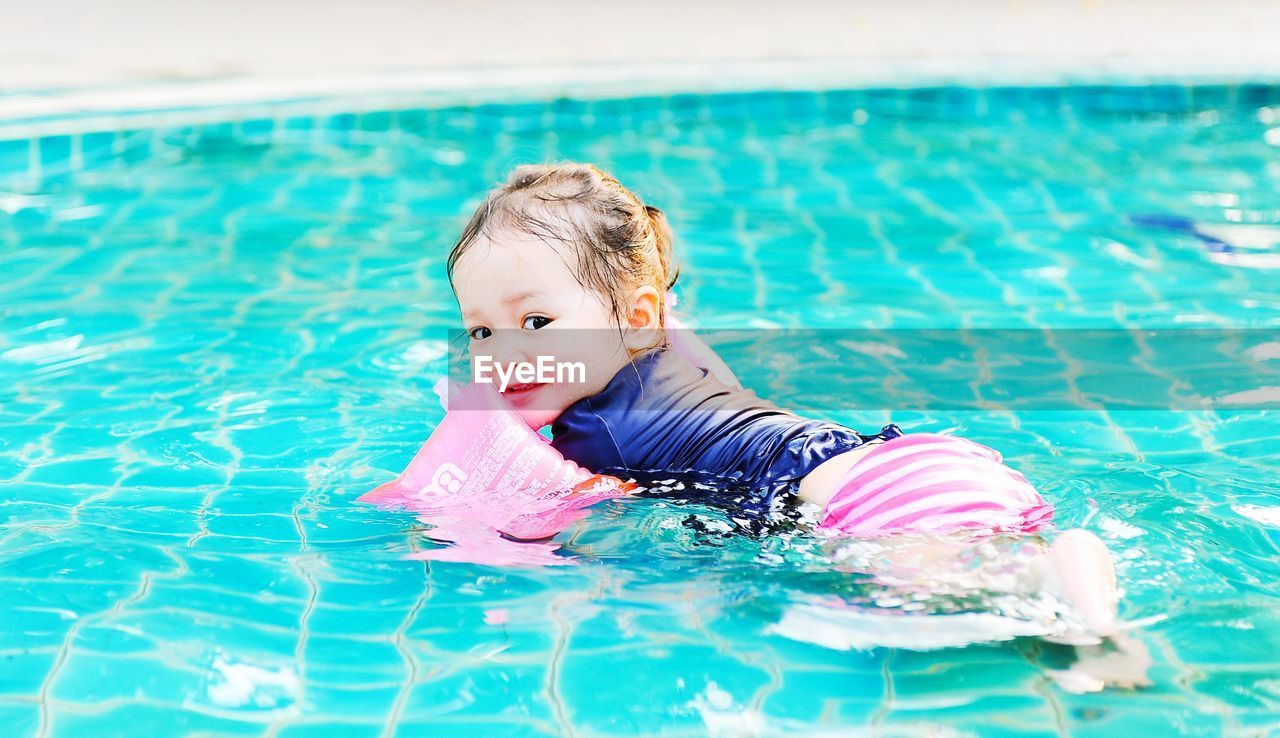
(72, 111)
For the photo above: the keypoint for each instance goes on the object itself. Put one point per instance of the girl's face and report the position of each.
(521, 301)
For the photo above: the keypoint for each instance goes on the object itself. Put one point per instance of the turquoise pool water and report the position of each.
(213, 338)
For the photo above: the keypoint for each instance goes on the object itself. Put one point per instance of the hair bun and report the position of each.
(664, 240)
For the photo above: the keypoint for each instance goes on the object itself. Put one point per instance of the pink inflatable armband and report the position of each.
(686, 343)
(484, 465)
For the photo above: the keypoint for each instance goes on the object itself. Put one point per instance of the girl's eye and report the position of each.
(479, 333)
(534, 322)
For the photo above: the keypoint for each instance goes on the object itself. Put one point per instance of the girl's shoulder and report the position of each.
(659, 407)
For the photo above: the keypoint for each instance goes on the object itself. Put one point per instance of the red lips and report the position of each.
(520, 390)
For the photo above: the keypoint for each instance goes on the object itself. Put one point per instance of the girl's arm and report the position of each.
(821, 484)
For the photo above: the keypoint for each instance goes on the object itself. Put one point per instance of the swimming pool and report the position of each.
(213, 338)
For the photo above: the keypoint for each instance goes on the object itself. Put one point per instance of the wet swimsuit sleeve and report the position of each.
(660, 416)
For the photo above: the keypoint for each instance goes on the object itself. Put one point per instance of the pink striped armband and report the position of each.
(931, 483)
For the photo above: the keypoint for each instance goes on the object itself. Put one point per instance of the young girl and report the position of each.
(563, 260)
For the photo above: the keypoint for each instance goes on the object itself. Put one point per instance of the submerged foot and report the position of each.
(1120, 661)
(1078, 570)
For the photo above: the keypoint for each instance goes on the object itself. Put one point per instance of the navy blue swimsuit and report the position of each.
(661, 418)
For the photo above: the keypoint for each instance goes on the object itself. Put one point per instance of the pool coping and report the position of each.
(31, 115)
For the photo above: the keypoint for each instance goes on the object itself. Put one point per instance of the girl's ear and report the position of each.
(643, 314)
(644, 308)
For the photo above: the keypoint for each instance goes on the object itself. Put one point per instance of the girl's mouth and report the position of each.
(514, 391)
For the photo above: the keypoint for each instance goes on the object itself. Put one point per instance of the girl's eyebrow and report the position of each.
(514, 299)
(520, 297)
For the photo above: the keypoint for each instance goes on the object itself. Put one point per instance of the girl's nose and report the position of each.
(507, 347)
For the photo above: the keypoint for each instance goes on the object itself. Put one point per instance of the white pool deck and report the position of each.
(87, 57)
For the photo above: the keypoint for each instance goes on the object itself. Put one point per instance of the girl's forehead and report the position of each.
(492, 267)
(504, 249)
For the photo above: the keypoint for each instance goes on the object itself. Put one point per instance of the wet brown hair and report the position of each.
(617, 242)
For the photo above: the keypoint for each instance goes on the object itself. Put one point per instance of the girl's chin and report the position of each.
(537, 419)
(540, 407)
